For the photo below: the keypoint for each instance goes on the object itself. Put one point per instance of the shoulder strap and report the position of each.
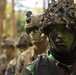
(52, 68)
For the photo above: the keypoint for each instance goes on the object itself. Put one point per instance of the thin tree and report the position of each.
(13, 26)
(43, 6)
(2, 16)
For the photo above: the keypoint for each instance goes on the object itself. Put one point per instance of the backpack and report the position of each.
(45, 66)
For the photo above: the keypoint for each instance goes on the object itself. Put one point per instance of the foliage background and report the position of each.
(20, 15)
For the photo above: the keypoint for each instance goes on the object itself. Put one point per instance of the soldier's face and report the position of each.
(35, 34)
(8, 50)
(64, 39)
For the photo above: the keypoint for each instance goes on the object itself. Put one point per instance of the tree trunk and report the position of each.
(13, 26)
(2, 16)
(43, 6)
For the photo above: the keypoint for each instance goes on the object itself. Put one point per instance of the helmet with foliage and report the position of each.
(59, 23)
(7, 42)
(60, 12)
(22, 40)
(60, 16)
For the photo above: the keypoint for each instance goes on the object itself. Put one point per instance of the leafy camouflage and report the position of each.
(59, 12)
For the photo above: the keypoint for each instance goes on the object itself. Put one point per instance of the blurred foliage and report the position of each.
(20, 21)
(8, 19)
(20, 18)
(37, 10)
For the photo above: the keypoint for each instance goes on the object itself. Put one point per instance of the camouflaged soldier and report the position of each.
(9, 53)
(22, 43)
(38, 39)
(59, 24)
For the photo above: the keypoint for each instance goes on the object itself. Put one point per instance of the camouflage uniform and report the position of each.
(4, 59)
(37, 41)
(10, 70)
(22, 42)
(26, 58)
(3, 64)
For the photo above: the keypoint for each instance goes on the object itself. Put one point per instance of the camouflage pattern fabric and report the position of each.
(7, 42)
(11, 67)
(63, 69)
(3, 64)
(7, 46)
(25, 58)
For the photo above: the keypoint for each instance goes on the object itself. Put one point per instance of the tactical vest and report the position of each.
(62, 68)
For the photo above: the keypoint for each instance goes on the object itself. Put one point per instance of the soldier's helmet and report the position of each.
(7, 42)
(23, 39)
(32, 22)
(59, 24)
(60, 12)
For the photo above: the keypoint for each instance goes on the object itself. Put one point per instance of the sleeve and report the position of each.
(28, 69)
(25, 71)
(10, 70)
(19, 65)
(3, 64)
